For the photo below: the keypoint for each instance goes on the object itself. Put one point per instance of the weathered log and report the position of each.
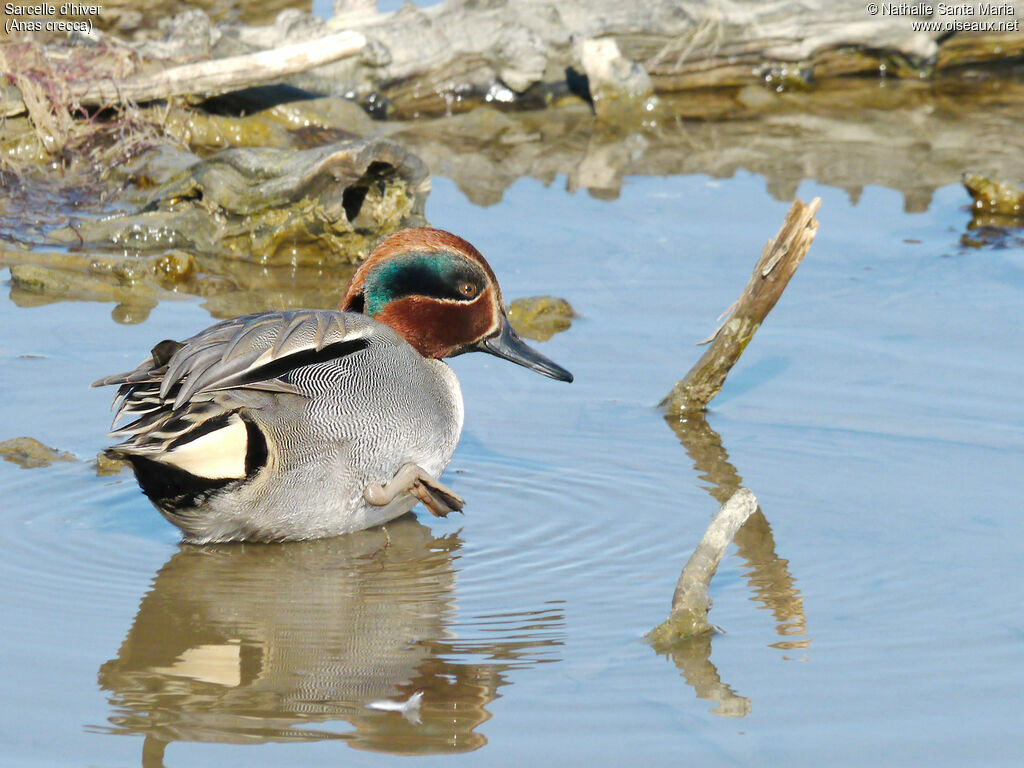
(692, 656)
(767, 574)
(206, 77)
(462, 51)
(779, 260)
(459, 50)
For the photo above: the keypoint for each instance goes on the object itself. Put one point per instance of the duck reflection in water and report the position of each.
(247, 644)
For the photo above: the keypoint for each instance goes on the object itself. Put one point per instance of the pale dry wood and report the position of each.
(426, 59)
(779, 261)
(211, 77)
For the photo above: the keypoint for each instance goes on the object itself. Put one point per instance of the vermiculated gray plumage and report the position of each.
(269, 427)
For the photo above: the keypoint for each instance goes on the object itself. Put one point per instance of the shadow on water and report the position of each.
(249, 644)
(771, 583)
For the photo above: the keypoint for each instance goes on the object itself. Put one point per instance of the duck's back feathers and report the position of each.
(185, 405)
(250, 351)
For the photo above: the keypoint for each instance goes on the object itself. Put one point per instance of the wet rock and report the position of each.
(137, 284)
(50, 284)
(996, 202)
(327, 114)
(115, 276)
(155, 166)
(29, 453)
(204, 131)
(271, 116)
(620, 88)
(329, 204)
(105, 466)
(540, 317)
(133, 312)
(175, 266)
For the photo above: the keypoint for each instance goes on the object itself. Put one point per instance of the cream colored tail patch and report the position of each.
(215, 455)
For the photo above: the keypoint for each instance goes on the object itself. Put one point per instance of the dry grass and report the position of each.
(62, 156)
(66, 130)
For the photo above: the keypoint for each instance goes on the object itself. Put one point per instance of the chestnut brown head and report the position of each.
(439, 293)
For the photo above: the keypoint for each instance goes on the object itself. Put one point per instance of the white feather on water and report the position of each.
(409, 709)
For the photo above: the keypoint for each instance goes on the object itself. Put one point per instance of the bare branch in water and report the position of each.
(779, 260)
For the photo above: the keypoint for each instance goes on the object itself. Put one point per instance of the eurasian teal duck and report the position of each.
(310, 423)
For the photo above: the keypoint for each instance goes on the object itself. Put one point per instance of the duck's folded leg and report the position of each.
(435, 495)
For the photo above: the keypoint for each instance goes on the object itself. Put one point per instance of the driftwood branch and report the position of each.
(768, 575)
(208, 78)
(691, 601)
(685, 634)
(778, 262)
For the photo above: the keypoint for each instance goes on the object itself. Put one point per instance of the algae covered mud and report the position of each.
(869, 604)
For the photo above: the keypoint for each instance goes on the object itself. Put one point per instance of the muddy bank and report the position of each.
(251, 199)
(912, 137)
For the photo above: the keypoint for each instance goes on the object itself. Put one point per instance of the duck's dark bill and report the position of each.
(508, 345)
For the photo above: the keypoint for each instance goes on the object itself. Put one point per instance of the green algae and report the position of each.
(540, 317)
(994, 197)
(265, 205)
(29, 453)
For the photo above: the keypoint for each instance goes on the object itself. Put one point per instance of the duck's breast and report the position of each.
(369, 413)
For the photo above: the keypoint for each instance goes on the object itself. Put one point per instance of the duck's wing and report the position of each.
(187, 403)
(253, 351)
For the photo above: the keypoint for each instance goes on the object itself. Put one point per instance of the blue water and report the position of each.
(872, 619)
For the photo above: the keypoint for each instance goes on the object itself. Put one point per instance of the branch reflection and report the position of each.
(249, 644)
(768, 575)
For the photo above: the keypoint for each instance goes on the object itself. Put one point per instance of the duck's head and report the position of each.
(440, 294)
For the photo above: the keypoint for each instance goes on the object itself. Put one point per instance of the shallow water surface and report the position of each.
(871, 609)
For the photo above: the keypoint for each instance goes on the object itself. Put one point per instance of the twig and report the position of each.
(691, 602)
(779, 260)
(214, 76)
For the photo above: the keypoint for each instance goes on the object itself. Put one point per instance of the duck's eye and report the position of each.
(468, 290)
